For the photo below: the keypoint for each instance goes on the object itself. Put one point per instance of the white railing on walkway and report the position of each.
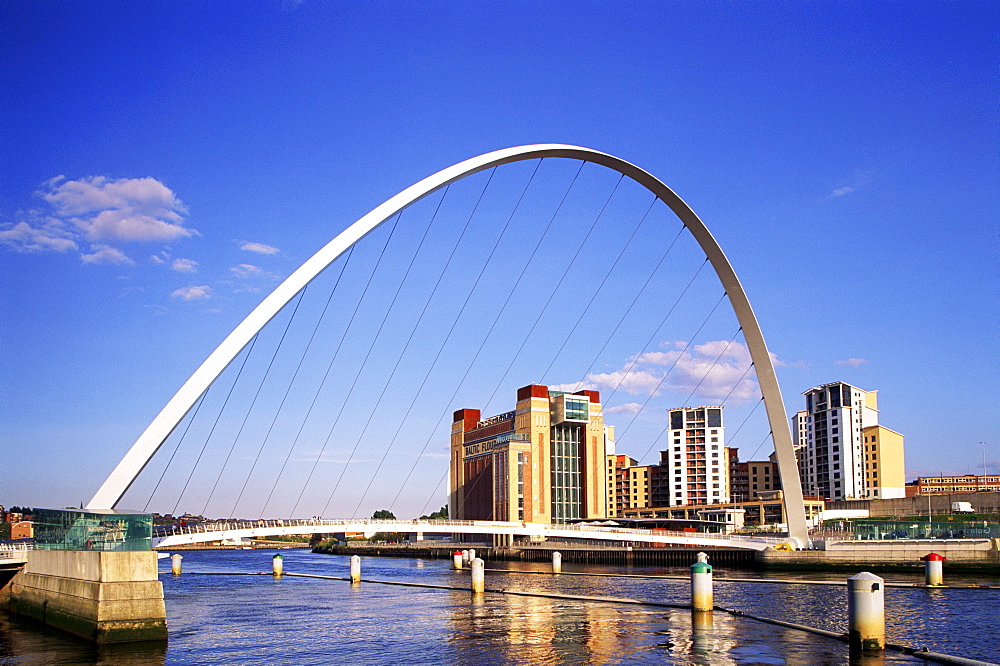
(15, 552)
(317, 525)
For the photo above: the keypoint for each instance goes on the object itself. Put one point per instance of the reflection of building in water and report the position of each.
(542, 462)
(538, 630)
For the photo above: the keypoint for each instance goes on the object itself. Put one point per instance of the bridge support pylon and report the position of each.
(102, 596)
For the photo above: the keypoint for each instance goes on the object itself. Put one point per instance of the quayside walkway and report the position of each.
(165, 537)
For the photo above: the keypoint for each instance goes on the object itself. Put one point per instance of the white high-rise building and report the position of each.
(696, 459)
(830, 440)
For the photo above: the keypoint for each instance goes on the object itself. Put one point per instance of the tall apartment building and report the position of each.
(542, 462)
(618, 483)
(835, 460)
(695, 467)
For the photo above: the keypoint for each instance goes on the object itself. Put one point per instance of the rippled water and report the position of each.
(216, 619)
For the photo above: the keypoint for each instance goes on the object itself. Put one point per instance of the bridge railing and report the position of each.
(14, 551)
(317, 525)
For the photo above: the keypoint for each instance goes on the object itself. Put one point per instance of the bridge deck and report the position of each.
(231, 530)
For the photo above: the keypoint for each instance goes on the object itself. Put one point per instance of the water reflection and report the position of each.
(25, 641)
(240, 619)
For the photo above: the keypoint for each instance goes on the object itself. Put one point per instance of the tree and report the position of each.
(440, 514)
(383, 514)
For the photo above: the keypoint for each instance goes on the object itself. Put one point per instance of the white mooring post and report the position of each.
(934, 568)
(278, 565)
(175, 564)
(472, 554)
(701, 584)
(866, 612)
(557, 562)
(355, 569)
(456, 559)
(478, 576)
(465, 557)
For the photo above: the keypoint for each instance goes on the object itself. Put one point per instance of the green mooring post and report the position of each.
(278, 565)
(701, 584)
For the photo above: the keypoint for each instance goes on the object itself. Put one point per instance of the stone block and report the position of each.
(106, 597)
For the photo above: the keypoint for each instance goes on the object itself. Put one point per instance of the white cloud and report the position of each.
(103, 254)
(246, 271)
(184, 266)
(125, 209)
(861, 178)
(627, 408)
(42, 236)
(259, 248)
(852, 362)
(96, 215)
(193, 293)
(715, 369)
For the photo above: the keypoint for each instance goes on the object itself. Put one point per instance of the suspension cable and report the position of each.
(375, 338)
(385, 453)
(419, 319)
(597, 291)
(552, 294)
(298, 367)
(711, 367)
(419, 390)
(663, 321)
(468, 222)
(187, 427)
(670, 369)
(214, 424)
(257, 394)
(621, 319)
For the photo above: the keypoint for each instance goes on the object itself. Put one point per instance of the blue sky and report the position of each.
(169, 163)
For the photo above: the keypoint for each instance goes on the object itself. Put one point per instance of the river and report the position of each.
(237, 619)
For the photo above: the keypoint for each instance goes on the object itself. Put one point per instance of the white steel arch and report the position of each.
(112, 490)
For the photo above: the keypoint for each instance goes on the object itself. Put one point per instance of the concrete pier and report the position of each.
(103, 596)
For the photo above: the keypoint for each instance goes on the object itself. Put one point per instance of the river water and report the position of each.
(239, 619)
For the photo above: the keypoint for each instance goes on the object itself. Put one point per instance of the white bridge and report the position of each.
(165, 537)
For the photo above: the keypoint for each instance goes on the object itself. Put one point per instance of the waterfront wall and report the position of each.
(618, 556)
(961, 554)
(918, 504)
(898, 555)
(103, 596)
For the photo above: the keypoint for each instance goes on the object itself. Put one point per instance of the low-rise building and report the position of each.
(969, 483)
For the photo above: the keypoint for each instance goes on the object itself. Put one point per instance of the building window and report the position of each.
(566, 476)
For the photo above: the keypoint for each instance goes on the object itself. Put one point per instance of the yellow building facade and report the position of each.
(542, 462)
(885, 469)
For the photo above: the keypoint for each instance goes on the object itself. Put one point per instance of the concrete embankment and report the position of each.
(974, 555)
